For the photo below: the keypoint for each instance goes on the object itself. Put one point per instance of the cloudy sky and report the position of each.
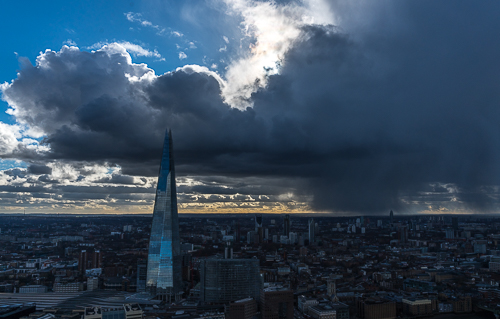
(348, 106)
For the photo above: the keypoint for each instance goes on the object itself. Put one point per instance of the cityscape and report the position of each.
(250, 159)
(261, 266)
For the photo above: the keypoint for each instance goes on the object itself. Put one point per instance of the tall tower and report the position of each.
(311, 231)
(286, 225)
(164, 274)
(258, 227)
(391, 216)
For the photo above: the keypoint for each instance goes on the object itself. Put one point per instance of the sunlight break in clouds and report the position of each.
(274, 28)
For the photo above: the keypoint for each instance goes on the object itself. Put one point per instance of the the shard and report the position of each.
(164, 276)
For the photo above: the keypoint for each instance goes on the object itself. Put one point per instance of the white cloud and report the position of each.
(70, 42)
(225, 39)
(182, 56)
(273, 28)
(8, 138)
(176, 33)
(137, 18)
(131, 48)
(137, 50)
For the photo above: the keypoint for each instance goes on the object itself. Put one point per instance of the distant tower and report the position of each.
(403, 236)
(258, 227)
(391, 216)
(332, 289)
(286, 225)
(164, 273)
(311, 231)
(258, 221)
(454, 223)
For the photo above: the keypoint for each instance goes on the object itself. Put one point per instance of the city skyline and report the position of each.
(314, 106)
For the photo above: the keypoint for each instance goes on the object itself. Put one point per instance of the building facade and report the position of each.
(242, 309)
(164, 273)
(226, 280)
(276, 303)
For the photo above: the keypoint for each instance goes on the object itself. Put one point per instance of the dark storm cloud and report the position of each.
(39, 169)
(358, 121)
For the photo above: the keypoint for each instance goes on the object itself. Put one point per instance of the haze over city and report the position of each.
(313, 106)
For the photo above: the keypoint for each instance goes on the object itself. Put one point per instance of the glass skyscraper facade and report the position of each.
(164, 274)
(226, 280)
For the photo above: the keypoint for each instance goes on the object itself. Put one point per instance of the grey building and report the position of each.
(226, 280)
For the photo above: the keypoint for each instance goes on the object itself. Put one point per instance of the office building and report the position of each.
(376, 308)
(304, 303)
(92, 283)
(286, 225)
(33, 289)
(89, 259)
(454, 223)
(391, 217)
(403, 235)
(312, 226)
(127, 311)
(417, 307)
(164, 273)
(226, 280)
(276, 303)
(450, 233)
(258, 222)
(68, 287)
(242, 309)
(142, 274)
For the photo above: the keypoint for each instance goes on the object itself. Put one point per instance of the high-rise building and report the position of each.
(258, 222)
(226, 280)
(403, 235)
(89, 259)
(312, 226)
(164, 273)
(286, 225)
(391, 217)
(454, 223)
(450, 233)
(258, 227)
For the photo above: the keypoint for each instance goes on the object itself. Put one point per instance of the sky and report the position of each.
(292, 106)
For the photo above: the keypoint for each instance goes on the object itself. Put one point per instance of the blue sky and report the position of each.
(35, 28)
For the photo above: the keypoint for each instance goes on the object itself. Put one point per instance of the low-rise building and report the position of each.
(417, 307)
(69, 287)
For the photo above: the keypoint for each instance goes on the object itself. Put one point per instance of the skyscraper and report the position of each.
(311, 231)
(286, 225)
(454, 223)
(391, 216)
(164, 274)
(258, 227)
